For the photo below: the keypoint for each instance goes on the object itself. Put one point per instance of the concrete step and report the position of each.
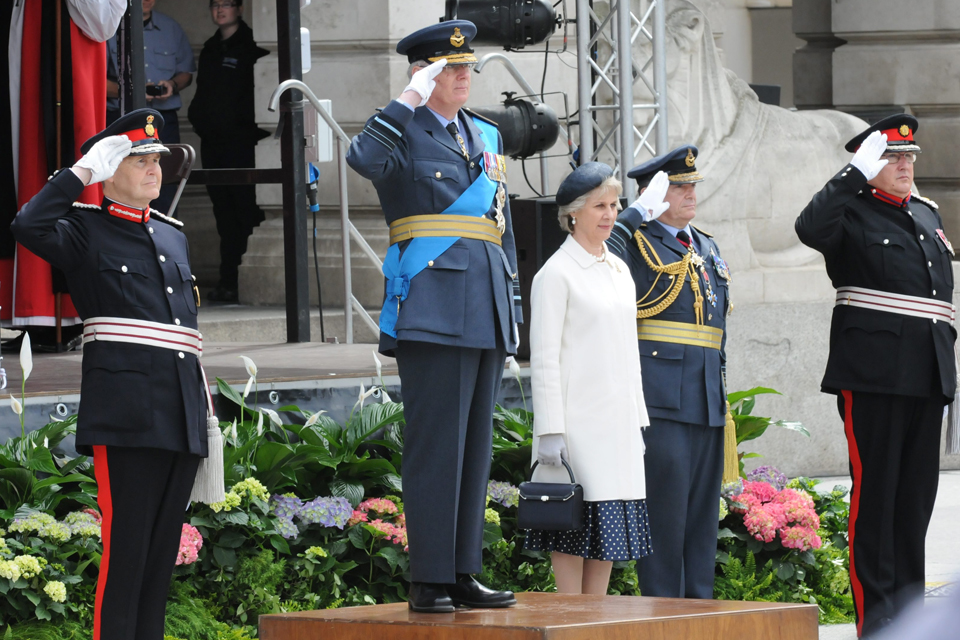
(244, 323)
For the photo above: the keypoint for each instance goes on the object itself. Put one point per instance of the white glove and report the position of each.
(551, 449)
(423, 80)
(104, 157)
(650, 203)
(867, 158)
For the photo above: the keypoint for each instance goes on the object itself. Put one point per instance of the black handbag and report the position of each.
(550, 506)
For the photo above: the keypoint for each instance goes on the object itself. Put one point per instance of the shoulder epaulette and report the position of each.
(709, 235)
(927, 201)
(165, 218)
(477, 115)
(84, 205)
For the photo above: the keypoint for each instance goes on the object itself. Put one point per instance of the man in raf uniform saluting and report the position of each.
(451, 304)
(143, 397)
(683, 300)
(891, 360)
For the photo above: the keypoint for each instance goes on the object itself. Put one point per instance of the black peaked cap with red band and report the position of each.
(141, 126)
(899, 130)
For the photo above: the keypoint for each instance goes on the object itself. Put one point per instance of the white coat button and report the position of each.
(934, 321)
(123, 268)
(921, 236)
(176, 321)
(544, 498)
(180, 354)
(930, 264)
(150, 229)
(934, 292)
(885, 241)
(163, 258)
(169, 289)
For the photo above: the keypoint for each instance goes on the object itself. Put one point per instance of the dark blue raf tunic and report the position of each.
(892, 375)
(684, 390)
(142, 409)
(453, 331)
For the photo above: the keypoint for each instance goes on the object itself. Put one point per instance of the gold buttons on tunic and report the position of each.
(654, 353)
(430, 264)
(439, 175)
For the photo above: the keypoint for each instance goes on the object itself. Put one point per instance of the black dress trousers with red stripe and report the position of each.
(892, 372)
(142, 408)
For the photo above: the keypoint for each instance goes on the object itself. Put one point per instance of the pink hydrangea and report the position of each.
(379, 505)
(190, 543)
(767, 511)
(357, 517)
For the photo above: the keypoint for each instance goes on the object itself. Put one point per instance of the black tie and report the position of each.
(683, 238)
(455, 132)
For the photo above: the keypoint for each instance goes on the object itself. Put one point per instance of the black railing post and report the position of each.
(130, 74)
(294, 175)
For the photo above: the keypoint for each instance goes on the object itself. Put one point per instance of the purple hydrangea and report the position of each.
(286, 507)
(732, 489)
(329, 512)
(770, 475)
(286, 528)
(503, 493)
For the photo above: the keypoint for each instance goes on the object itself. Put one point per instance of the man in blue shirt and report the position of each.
(168, 68)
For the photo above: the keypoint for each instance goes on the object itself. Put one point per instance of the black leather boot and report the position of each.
(467, 592)
(428, 597)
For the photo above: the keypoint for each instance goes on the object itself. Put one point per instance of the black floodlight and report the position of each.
(526, 127)
(511, 24)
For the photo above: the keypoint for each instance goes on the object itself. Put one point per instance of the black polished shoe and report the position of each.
(427, 597)
(224, 294)
(467, 592)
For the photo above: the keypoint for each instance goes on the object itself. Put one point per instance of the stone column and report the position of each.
(907, 58)
(813, 62)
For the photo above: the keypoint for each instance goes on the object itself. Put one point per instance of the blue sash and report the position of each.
(399, 270)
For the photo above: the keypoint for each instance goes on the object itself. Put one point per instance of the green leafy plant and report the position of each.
(750, 427)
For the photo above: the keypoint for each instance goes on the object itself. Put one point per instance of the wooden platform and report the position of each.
(550, 616)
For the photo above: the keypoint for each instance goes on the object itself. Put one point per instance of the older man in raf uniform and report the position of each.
(143, 398)
(683, 300)
(450, 307)
(891, 362)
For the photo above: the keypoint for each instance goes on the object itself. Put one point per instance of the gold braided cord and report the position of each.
(678, 271)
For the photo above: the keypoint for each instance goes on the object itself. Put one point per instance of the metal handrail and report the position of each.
(347, 229)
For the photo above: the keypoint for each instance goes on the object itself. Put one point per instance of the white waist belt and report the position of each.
(897, 303)
(153, 334)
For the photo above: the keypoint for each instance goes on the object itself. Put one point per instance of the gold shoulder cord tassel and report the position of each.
(731, 463)
(676, 270)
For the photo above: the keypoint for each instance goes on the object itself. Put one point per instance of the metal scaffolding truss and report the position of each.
(605, 64)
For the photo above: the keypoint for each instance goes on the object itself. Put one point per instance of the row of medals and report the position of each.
(701, 264)
(495, 166)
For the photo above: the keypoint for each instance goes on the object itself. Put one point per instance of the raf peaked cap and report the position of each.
(680, 165)
(583, 180)
(142, 127)
(899, 130)
(448, 40)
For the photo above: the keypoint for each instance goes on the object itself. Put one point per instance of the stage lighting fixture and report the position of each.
(526, 127)
(511, 24)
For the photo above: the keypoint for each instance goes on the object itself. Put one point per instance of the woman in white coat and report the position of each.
(587, 395)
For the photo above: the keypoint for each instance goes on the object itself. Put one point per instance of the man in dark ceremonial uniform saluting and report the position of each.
(144, 402)
(451, 304)
(891, 360)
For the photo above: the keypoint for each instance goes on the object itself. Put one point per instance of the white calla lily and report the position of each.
(246, 389)
(378, 364)
(274, 416)
(16, 406)
(312, 420)
(26, 356)
(46, 442)
(250, 366)
(386, 397)
(514, 367)
(366, 393)
(232, 432)
(259, 424)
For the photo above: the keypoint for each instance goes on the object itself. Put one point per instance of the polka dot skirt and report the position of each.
(612, 530)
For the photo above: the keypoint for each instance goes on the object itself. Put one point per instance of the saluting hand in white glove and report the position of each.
(103, 158)
(423, 81)
(650, 203)
(551, 449)
(867, 159)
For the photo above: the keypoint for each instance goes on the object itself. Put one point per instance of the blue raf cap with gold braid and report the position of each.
(680, 165)
(448, 41)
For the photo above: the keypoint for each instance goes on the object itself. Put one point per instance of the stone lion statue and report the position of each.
(762, 163)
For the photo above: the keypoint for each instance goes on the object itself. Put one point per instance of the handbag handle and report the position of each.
(573, 480)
